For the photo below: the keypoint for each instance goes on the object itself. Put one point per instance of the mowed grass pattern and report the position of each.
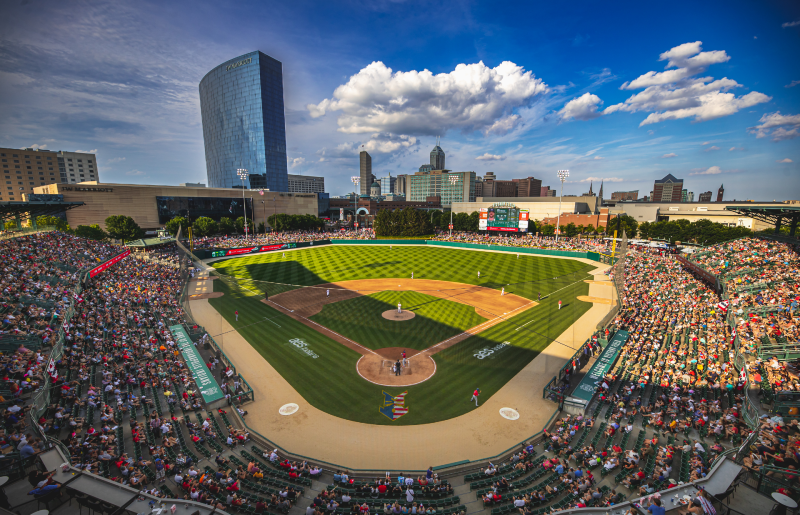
(526, 276)
(331, 382)
(361, 319)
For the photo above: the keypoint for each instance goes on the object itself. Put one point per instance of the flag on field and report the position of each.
(394, 406)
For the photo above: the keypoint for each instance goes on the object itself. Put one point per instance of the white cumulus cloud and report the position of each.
(676, 94)
(297, 161)
(667, 156)
(582, 108)
(714, 147)
(490, 157)
(382, 143)
(473, 97)
(777, 126)
(36, 146)
(713, 170)
(601, 179)
(791, 24)
(787, 160)
(93, 151)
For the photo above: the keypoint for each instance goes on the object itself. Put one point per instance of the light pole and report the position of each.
(264, 205)
(356, 179)
(562, 175)
(242, 173)
(453, 181)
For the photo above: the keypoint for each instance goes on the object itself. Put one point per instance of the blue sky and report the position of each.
(624, 92)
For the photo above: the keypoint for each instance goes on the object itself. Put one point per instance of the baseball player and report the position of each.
(475, 396)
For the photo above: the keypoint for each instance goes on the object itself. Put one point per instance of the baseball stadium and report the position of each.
(454, 375)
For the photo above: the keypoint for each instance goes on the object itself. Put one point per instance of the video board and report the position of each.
(503, 219)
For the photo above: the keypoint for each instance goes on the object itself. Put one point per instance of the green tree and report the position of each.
(90, 232)
(261, 227)
(547, 230)
(645, 230)
(121, 227)
(570, 230)
(204, 226)
(10, 225)
(627, 223)
(240, 225)
(474, 221)
(177, 222)
(226, 225)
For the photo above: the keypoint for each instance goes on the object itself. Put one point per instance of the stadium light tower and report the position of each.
(242, 173)
(453, 181)
(562, 176)
(356, 179)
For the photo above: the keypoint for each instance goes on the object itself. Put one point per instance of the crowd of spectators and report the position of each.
(272, 238)
(122, 399)
(528, 241)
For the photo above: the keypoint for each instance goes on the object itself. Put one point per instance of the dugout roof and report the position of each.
(31, 209)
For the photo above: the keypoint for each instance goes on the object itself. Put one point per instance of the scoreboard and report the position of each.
(504, 218)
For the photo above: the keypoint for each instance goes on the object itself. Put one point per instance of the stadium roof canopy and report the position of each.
(12, 209)
(776, 215)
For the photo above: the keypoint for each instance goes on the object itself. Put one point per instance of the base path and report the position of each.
(477, 435)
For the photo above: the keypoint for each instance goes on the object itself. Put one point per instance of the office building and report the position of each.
(437, 157)
(400, 184)
(24, 169)
(687, 196)
(704, 197)
(438, 183)
(618, 196)
(425, 168)
(241, 104)
(720, 192)
(153, 206)
(192, 185)
(365, 172)
(668, 189)
(306, 184)
(388, 184)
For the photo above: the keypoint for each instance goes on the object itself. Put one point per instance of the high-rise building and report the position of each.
(528, 187)
(388, 184)
(720, 192)
(425, 168)
(241, 104)
(625, 195)
(365, 172)
(705, 197)
(437, 157)
(687, 196)
(24, 169)
(448, 186)
(668, 189)
(306, 184)
(401, 184)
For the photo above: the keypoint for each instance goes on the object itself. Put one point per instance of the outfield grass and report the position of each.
(361, 319)
(331, 382)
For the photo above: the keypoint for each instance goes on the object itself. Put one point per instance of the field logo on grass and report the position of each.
(485, 353)
(394, 407)
(302, 347)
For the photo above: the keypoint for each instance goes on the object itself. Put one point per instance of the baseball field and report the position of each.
(331, 325)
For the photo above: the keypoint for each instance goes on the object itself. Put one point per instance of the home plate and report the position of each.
(509, 413)
(291, 409)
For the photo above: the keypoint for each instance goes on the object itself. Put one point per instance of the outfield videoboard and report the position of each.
(503, 218)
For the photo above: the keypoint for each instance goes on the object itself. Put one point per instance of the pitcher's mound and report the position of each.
(377, 368)
(392, 314)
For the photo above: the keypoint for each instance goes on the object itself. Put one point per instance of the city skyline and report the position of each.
(711, 98)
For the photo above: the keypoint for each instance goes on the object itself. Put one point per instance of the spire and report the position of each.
(601, 190)
(590, 189)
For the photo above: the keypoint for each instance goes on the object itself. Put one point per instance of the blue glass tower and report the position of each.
(241, 104)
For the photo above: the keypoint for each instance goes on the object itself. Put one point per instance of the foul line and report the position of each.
(325, 328)
(523, 325)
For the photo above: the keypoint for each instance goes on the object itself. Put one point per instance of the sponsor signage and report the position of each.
(504, 229)
(108, 264)
(87, 188)
(394, 406)
(206, 383)
(589, 383)
(238, 64)
(257, 249)
(503, 217)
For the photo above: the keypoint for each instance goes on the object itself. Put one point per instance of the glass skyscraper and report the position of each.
(241, 104)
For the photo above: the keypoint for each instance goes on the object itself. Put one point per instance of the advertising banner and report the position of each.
(108, 264)
(263, 248)
(504, 229)
(208, 386)
(588, 385)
